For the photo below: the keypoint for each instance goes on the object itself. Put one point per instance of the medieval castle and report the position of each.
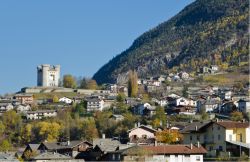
(48, 76)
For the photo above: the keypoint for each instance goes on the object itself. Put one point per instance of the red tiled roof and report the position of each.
(176, 149)
(232, 124)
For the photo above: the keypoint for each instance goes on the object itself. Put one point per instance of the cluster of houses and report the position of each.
(200, 139)
(212, 100)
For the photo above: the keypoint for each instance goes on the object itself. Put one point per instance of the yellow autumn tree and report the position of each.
(168, 136)
(49, 130)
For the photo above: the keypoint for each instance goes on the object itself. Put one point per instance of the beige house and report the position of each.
(217, 137)
(142, 135)
(24, 98)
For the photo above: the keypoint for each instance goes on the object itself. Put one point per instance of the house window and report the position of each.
(198, 137)
(218, 137)
(230, 137)
(218, 128)
(220, 148)
(198, 158)
(205, 137)
(210, 148)
(191, 138)
(113, 156)
(144, 136)
(241, 138)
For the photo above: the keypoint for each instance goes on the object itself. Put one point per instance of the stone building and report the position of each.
(48, 76)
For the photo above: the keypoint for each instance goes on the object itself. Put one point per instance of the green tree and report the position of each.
(69, 81)
(185, 91)
(236, 116)
(238, 86)
(120, 97)
(204, 114)
(2, 128)
(88, 129)
(55, 99)
(83, 83)
(91, 84)
(160, 118)
(132, 84)
(11, 120)
(5, 145)
(26, 133)
(80, 108)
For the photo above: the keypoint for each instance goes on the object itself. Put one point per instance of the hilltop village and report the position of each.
(171, 117)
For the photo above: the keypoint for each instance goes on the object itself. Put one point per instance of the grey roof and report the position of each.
(8, 157)
(34, 147)
(246, 145)
(148, 128)
(62, 145)
(23, 95)
(211, 102)
(41, 111)
(192, 127)
(106, 144)
(93, 99)
(51, 156)
(117, 116)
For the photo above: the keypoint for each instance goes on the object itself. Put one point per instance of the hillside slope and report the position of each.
(205, 32)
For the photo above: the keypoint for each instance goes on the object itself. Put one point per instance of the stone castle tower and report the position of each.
(48, 76)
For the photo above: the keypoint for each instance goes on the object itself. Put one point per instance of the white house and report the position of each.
(138, 110)
(163, 102)
(184, 75)
(214, 67)
(66, 100)
(33, 115)
(225, 95)
(23, 108)
(5, 107)
(95, 104)
(244, 105)
(174, 95)
(209, 105)
(185, 102)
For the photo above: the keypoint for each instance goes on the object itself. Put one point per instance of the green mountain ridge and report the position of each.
(203, 33)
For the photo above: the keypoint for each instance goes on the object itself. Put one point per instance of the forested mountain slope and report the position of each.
(205, 32)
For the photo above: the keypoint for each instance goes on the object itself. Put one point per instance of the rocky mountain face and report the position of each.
(205, 32)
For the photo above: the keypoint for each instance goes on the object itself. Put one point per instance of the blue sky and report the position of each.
(80, 35)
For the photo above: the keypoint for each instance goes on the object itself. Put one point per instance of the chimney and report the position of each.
(196, 128)
(68, 143)
(135, 125)
(191, 146)
(217, 120)
(139, 124)
(156, 143)
(243, 120)
(103, 136)
(198, 144)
